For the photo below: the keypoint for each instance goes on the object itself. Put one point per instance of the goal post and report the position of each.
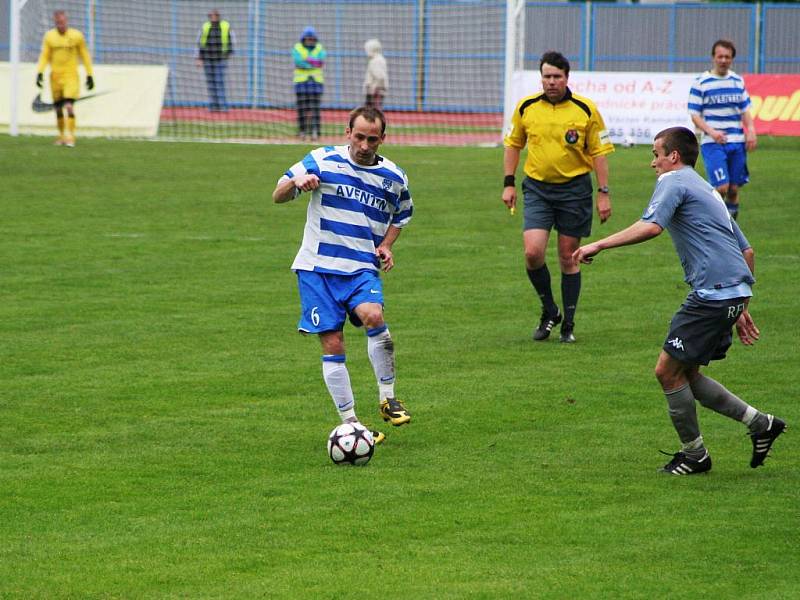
(15, 7)
(449, 63)
(514, 53)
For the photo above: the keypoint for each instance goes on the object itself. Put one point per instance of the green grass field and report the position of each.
(163, 426)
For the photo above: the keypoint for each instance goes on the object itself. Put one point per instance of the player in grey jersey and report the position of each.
(718, 264)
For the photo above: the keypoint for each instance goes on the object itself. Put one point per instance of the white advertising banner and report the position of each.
(126, 101)
(634, 106)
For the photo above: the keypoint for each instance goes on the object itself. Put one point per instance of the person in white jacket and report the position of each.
(376, 80)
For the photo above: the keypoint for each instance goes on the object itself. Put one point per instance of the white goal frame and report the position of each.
(13, 56)
(512, 60)
(515, 53)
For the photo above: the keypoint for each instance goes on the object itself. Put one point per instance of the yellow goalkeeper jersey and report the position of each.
(61, 51)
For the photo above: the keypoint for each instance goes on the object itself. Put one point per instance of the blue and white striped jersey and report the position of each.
(720, 101)
(349, 213)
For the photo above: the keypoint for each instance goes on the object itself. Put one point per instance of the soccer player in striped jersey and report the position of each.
(359, 204)
(61, 48)
(720, 108)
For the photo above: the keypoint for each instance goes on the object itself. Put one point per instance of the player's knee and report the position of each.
(668, 376)
(372, 317)
(660, 369)
(566, 262)
(662, 376)
(723, 189)
(332, 342)
(534, 257)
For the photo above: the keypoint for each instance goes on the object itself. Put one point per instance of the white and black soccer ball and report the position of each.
(628, 142)
(351, 444)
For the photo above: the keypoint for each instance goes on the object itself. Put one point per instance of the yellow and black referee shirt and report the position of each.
(562, 138)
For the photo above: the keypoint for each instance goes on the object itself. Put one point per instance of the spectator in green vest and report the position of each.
(309, 58)
(214, 47)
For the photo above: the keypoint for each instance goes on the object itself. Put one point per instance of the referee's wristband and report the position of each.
(509, 181)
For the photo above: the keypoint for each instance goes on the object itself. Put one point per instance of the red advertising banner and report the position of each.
(776, 103)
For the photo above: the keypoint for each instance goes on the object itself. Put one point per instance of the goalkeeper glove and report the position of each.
(39, 80)
(89, 82)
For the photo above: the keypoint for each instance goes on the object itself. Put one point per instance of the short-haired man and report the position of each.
(62, 46)
(359, 204)
(720, 107)
(718, 264)
(567, 140)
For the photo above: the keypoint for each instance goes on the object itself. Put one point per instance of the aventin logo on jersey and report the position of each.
(677, 343)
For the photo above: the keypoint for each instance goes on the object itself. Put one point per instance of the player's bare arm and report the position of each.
(716, 135)
(641, 231)
(750, 139)
(286, 188)
(510, 162)
(384, 250)
(603, 198)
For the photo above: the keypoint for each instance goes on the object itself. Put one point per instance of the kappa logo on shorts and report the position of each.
(676, 343)
(571, 136)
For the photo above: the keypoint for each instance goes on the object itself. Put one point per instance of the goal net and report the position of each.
(445, 59)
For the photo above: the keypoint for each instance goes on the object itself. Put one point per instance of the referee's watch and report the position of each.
(603, 189)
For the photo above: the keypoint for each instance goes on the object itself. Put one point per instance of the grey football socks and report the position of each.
(681, 408)
(717, 397)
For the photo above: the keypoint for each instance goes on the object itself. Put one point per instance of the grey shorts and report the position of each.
(567, 207)
(701, 330)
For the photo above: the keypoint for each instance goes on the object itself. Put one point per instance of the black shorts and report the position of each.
(701, 329)
(565, 206)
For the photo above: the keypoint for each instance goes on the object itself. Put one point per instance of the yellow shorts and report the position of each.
(65, 86)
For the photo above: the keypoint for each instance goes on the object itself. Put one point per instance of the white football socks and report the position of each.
(380, 349)
(337, 379)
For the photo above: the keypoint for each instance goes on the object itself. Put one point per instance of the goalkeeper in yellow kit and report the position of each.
(61, 48)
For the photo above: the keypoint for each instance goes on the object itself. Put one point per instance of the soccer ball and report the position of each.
(628, 142)
(351, 444)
